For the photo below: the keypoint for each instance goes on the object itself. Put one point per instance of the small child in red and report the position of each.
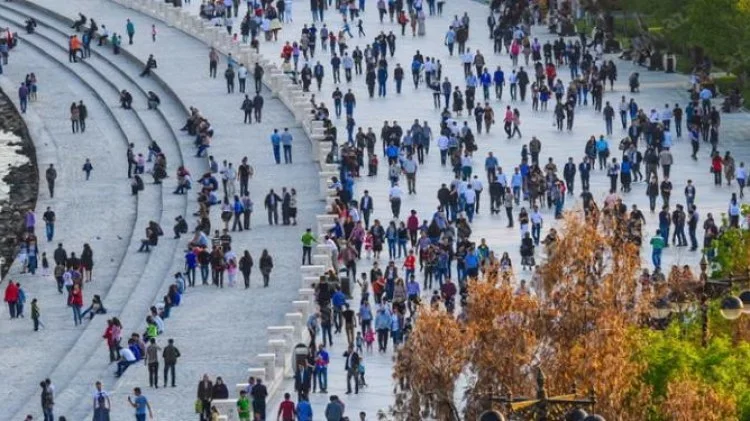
(369, 339)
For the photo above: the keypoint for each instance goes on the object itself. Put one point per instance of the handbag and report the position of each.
(198, 406)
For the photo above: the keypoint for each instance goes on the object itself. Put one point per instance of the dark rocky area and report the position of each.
(23, 181)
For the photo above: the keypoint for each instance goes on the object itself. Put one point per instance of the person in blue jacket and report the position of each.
(382, 78)
(498, 78)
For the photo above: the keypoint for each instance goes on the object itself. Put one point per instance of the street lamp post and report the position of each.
(543, 405)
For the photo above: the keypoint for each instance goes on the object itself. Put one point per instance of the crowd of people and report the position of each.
(431, 254)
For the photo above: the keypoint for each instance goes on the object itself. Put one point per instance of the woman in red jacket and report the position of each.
(76, 302)
(11, 297)
(716, 164)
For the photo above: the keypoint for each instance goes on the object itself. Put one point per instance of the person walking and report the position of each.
(49, 223)
(51, 176)
(23, 96)
(75, 301)
(266, 266)
(271, 203)
(246, 267)
(352, 369)
(152, 362)
(307, 242)
(657, 245)
(11, 297)
(102, 404)
(83, 114)
(141, 405)
(276, 143)
(286, 143)
(169, 355)
(205, 392)
(258, 102)
(35, 314)
(48, 401)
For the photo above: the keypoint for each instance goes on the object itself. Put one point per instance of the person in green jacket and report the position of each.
(243, 406)
(307, 242)
(35, 314)
(657, 245)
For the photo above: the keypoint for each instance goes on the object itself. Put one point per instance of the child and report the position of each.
(87, 167)
(361, 370)
(359, 341)
(153, 33)
(368, 245)
(232, 272)
(243, 406)
(45, 264)
(369, 339)
(35, 314)
(140, 164)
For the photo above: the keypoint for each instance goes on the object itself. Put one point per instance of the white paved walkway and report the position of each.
(208, 317)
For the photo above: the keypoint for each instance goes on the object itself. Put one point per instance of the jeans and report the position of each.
(204, 274)
(168, 367)
(48, 415)
(656, 258)
(153, 374)
(323, 378)
(306, 253)
(391, 249)
(325, 330)
(23, 102)
(536, 232)
(76, 315)
(50, 230)
(664, 229)
(382, 339)
(277, 154)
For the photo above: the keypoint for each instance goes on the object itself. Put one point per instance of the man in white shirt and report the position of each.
(101, 403)
(470, 198)
(536, 224)
(242, 77)
(624, 113)
(394, 195)
(467, 59)
(477, 186)
(666, 116)
(443, 142)
(126, 359)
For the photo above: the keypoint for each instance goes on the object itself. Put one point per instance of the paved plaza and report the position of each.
(220, 331)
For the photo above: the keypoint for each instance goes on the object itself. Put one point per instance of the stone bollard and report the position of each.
(315, 271)
(325, 180)
(269, 365)
(307, 294)
(308, 281)
(227, 408)
(322, 248)
(303, 307)
(321, 259)
(295, 319)
(258, 373)
(281, 332)
(278, 346)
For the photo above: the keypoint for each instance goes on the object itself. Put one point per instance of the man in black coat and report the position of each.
(352, 369)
